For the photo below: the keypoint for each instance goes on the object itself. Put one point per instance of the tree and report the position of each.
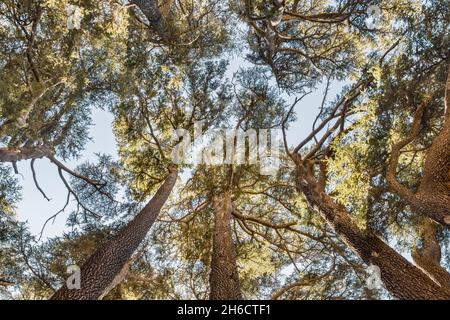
(312, 174)
(105, 267)
(433, 197)
(224, 278)
(366, 186)
(150, 212)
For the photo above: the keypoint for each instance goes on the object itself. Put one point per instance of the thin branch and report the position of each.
(6, 283)
(33, 271)
(395, 153)
(238, 214)
(98, 185)
(60, 172)
(152, 133)
(285, 120)
(61, 166)
(322, 105)
(301, 283)
(55, 215)
(345, 101)
(36, 182)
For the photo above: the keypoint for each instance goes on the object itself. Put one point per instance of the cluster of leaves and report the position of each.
(156, 79)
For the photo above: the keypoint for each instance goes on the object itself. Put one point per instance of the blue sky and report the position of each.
(33, 207)
(36, 210)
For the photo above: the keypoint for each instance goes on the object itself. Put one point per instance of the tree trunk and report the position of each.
(151, 11)
(401, 278)
(105, 266)
(224, 277)
(432, 199)
(433, 196)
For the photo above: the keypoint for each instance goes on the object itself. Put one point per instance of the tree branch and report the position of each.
(395, 154)
(238, 214)
(36, 182)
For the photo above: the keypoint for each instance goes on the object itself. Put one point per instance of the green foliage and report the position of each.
(157, 79)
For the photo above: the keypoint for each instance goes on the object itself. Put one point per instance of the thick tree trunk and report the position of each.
(427, 256)
(105, 266)
(224, 277)
(433, 196)
(401, 278)
(152, 12)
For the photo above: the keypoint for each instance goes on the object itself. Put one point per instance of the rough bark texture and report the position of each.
(224, 278)
(427, 256)
(102, 270)
(434, 191)
(433, 196)
(401, 278)
(152, 12)
(432, 199)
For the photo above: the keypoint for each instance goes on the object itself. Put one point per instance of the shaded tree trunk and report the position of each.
(155, 17)
(401, 278)
(106, 267)
(432, 199)
(433, 195)
(6, 283)
(224, 277)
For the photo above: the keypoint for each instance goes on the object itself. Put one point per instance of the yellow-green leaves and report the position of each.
(348, 170)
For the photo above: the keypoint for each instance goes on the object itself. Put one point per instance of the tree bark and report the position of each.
(224, 277)
(433, 195)
(401, 278)
(432, 199)
(152, 12)
(105, 266)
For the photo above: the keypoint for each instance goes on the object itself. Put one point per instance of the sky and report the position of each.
(36, 210)
(33, 207)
